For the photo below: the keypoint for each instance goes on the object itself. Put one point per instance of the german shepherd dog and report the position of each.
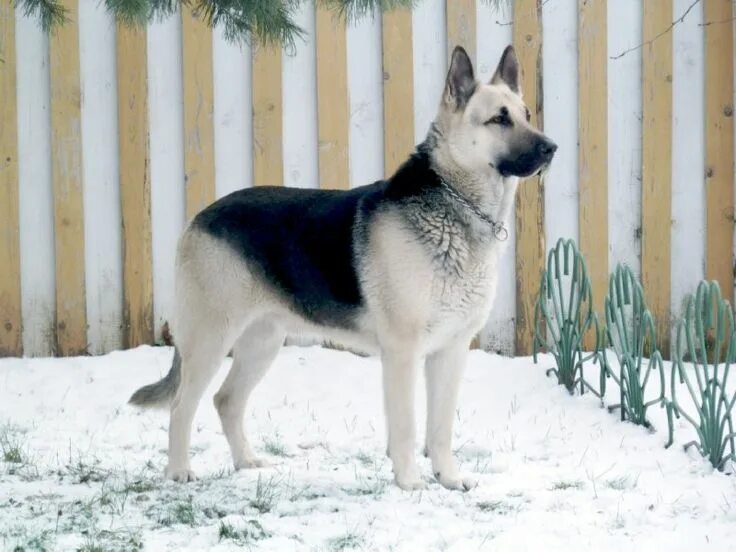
(405, 267)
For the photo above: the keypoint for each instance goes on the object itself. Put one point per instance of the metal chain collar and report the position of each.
(499, 230)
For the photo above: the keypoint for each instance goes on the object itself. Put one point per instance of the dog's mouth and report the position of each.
(522, 169)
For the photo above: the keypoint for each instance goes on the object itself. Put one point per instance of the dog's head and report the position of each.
(487, 126)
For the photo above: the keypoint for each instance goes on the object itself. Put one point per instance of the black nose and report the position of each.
(546, 148)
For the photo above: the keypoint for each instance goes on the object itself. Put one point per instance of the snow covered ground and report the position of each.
(81, 470)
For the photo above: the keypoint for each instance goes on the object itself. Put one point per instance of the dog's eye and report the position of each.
(528, 114)
(502, 119)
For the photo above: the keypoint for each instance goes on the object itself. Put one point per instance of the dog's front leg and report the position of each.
(444, 370)
(399, 375)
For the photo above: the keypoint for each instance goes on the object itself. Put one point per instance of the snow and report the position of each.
(555, 472)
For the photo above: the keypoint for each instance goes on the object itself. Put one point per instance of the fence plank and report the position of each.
(10, 298)
(398, 89)
(197, 81)
(719, 143)
(593, 145)
(461, 27)
(135, 187)
(66, 167)
(656, 185)
(268, 159)
(333, 108)
(527, 37)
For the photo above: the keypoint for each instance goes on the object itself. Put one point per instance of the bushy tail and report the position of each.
(161, 393)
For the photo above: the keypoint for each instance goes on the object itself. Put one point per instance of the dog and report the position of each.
(404, 267)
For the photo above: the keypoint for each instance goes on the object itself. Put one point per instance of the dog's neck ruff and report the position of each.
(499, 230)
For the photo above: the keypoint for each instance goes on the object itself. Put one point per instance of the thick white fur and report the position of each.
(416, 316)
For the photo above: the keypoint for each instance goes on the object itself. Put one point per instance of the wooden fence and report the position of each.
(111, 138)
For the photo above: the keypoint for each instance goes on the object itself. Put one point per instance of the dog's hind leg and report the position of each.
(253, 353)
(443, 371)
(201, 355)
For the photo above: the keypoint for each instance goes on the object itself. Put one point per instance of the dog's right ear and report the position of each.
(460, 83)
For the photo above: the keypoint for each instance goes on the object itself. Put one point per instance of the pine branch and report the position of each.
(269, 21)
(353, 10)
(49, 12)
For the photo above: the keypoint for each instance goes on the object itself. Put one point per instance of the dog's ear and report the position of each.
(460, 83)
(508, 71)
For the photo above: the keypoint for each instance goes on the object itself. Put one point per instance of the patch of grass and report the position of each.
(252, 532)
(274, 446)
(364, 458)
(83, 472)
(622, 483)
(112, 541)
(500, 507)
(368, 485)
(267, 494)
(563, 485)
(348, 541)
(11, 445)
(141, 486)
(180, 513)
(39, 542)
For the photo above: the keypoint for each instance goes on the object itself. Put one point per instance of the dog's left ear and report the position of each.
(508, 71)
(460, 83)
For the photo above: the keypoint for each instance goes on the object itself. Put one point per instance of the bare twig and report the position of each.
(667, 30)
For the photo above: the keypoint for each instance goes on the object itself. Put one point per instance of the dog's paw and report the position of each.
(252, 463)
(411, 483)
(457, 483)
(182, 475)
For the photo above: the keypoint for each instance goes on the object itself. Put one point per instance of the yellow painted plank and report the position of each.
(135, 187)
(66, 166)
(199, 147)
(719, 143)
(333, 108)
(398, 89)
(268, 160)
(11, 343)
(461, 26)
(593, 145)
(656, 185)
(527, 37)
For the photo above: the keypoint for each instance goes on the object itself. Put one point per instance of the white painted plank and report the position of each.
(688, 165)
(168, 194)
(365, 89)
(429, 43)
(36, 212)
(560, 66)
(498, 334)
(102, 224)
(624, 134)
(233, 115)
(299, 93)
